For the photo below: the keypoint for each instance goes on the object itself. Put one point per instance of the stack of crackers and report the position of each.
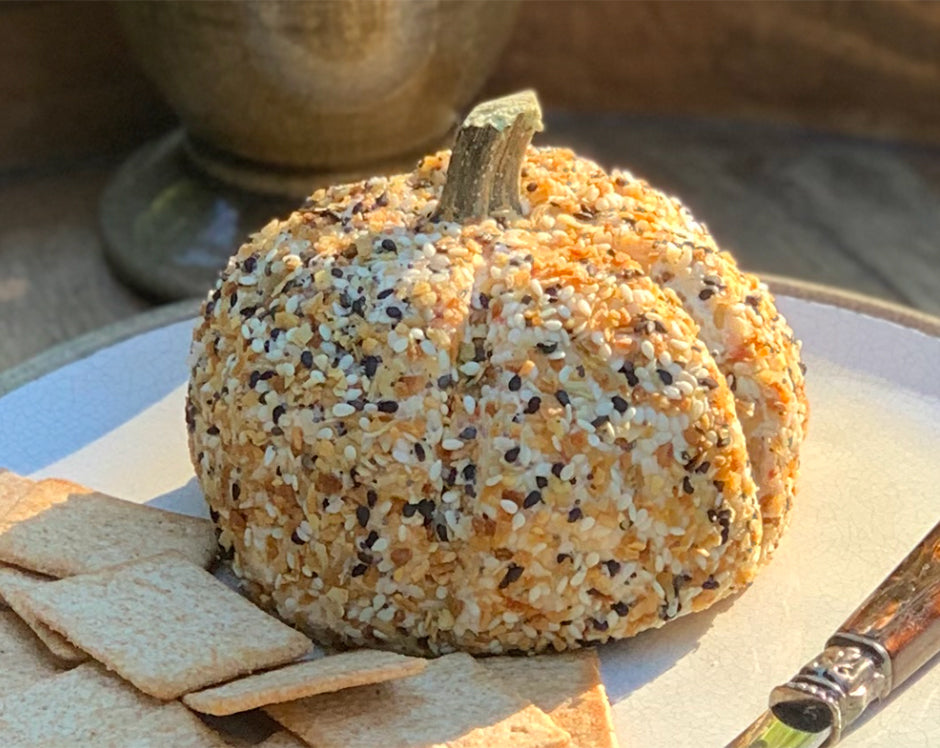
(117, 634)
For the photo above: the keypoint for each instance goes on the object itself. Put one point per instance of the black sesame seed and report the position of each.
(541, 481)
(426, 508)
(213, 515)
(278, 411)
(531, 187)
(533, 405)
(527, 299)
(511, 454)
(533, 498)
(394, 312)
(562, 397)
(469, 432)
(687, 485)
(387, 406)
(665, 376)
(213, 430)
(630, 373)
(389, 245)
(515, 383)
(575, 514)
(470, 473)
(600, 625)
(557, 468)
(562, 557)
(336, 273)
(409, 510)
(613, 567)
(306, 359)
(250, 264)
(370, 365)
(620, 608)
(295, 538)
(704, 467)
(620, 405)
(384, 294)
(600, 421)
(484, 301)
(359, 569)
(708, 382)
(512, 574)
(419, 452)
(547, 347)
(445, 381)
(362, 515)
(371, 498)
(710, 583)
(706, 293)
(236, 491)
(370, 539)
(450, 477)
(442, 533)
(265, 376)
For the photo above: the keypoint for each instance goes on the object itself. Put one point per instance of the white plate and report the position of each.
(870, 489)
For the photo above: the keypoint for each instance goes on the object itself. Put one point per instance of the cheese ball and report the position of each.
(530, 432)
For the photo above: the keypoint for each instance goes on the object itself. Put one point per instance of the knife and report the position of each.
(884, 642)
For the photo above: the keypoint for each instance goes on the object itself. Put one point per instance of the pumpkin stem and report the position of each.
(485, 165)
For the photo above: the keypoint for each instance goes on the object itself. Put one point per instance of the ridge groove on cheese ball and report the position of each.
(504, 433)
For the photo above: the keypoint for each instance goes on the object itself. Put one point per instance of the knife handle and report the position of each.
(901, 619)
(885, 641)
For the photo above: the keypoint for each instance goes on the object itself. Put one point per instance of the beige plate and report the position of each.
(112, 418)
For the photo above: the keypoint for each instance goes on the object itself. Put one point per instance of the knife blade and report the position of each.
(888, 638)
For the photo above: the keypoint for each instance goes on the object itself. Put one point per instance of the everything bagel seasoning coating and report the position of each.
(512, 433)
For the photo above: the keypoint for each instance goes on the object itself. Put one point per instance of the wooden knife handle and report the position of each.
(902, 617)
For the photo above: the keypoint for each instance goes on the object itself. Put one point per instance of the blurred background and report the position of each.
(805, 135)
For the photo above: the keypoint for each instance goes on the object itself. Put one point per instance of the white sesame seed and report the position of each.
(349, 452)
(341, 410)
(587, 523)
(435, 472)
(646, 348)
(470, 368)
(399, 345)
(518, 521)
(510, 507)
(469, 404)
(493, 480)
(552, 325)
(451, 444)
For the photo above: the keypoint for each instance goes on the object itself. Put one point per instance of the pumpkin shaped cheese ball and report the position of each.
(505, 402)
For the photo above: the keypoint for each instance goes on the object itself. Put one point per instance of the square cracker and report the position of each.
(304, 679)
(165, 624)
(13, 487)
(23, 658)
(14, 581)
(567, 687)
(60, 529)
(88, 706)
(455, 702)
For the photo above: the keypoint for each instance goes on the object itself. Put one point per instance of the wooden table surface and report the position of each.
(856, 214)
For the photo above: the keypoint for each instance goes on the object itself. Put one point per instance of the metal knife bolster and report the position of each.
(885, 641)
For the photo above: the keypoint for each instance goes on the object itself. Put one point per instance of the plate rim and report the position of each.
(69, 351)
